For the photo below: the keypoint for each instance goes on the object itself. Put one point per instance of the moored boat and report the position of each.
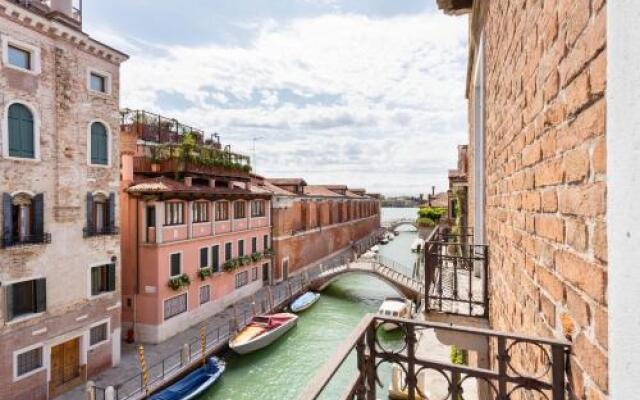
(194, 384)
(384, 240)
(304, 302)
(262, 331)
(394, 307)
(375, 248)
(417, 244)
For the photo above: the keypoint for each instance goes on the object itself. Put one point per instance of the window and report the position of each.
(240, 248)
(29, 361)
(98, 334)
(100, 214)
(200, 211)
(97, 82)
(239, 210)
(242, 279)
(265, 242)
(21, 129)
(254, 245)
(215, 258)
(175, 306)
(103, 279)
(222, 211)
(173, 213)
(99, 144)
(28, 297)
(176, 264)
(204, 257)
(205, 294)
(228, 251)
(20, 58)
(254, 274)
(23, 216)
(258, 208)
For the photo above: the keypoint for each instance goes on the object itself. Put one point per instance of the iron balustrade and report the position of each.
(544, 360)
(456, 274)
(102, 231)
(156, 128)
(16, 241)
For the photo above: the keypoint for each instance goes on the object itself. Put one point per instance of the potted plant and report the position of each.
(256, 256)
(204, 273)
(179, 282)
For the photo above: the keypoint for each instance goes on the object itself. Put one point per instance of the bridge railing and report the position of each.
(456, 274)
(524, 367)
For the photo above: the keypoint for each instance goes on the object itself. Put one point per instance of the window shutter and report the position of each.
(112, 277)
(112, 210)
(95, 281)
(21, 131)
(8, 293)
(89, 212)
(38, 214)
(7, 218)
(41, 295)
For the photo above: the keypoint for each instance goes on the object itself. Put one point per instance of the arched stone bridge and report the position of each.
(394, 224)
(404, 285)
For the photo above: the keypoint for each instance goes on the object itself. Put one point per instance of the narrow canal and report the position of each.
(281, 371)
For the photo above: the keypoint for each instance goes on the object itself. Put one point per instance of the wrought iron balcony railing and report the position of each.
(156, 128)
(16, 241)
(521, 366)
(456, 273)
(102, 231)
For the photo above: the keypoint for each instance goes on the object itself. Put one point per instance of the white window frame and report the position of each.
(36, 131)
(104, 294)
(109, 144)
(210, 295)
(26, 317)
(181, 263)
(25, 350)
(185, 293)
(224, 252)
(107, 78)
(36, 65)
(208, 257)
(104, 321)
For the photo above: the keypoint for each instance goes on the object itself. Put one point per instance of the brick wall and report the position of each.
(546, 175)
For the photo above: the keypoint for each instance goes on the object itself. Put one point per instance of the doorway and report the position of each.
(265, 272)
(65, 367)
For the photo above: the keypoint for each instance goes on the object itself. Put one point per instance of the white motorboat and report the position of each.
(375, 248)
(417, 245)
(394, 307)
(262, 331)
(304, 302)
(390, 236)
(384, 240)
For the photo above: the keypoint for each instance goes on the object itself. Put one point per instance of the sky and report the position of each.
(367, 93)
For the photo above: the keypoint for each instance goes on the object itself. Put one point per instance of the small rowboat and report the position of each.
(194, 384)
(262, 331)
(304, 302)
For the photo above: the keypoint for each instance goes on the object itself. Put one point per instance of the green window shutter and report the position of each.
(89, 212)
(95, 281)
(112, 210)
(99, 151)
(38, 214)
(215, 258)
(112, 277)
(8, 296)
(204, 257)
(7, 218)
(41, 295)
(21, 132)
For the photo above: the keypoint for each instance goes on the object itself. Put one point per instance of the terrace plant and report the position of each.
(256, 256)
(429, 217)
(179, 282)
(204, 273)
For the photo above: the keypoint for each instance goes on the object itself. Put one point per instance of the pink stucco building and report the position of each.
(195, 232)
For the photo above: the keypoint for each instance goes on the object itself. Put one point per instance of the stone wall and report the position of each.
(546, 175)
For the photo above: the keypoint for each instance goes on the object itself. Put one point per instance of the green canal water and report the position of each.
(281, 371)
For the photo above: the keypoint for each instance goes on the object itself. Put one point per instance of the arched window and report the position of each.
(21, 131)
(99, 144)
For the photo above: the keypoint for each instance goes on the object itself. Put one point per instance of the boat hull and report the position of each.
(302, 306)
(194, 384)
(264, 339)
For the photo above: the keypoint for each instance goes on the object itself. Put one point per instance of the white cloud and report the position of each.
(376, 102)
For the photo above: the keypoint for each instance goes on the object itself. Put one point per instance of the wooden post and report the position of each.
(144, 369)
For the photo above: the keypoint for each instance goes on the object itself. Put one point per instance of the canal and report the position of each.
(281, 371)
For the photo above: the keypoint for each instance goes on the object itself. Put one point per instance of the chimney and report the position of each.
(63, 6)
(188, 181)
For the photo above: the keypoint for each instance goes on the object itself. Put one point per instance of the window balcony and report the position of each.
(101, 231)
(420, 374)
(17, 241)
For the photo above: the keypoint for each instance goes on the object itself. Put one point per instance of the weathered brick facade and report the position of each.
(63, 108)
(545, 173)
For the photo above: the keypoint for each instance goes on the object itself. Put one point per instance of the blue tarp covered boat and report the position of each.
(305, 301)
(194, 384)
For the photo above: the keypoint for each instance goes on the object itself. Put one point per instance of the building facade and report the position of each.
(538, 173)
(315, 222)
(59, 176)
(196, 234)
